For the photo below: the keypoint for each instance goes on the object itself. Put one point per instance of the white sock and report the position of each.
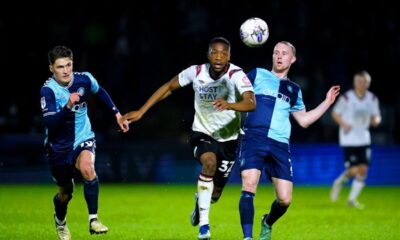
(342, 179)
(356, 188)
(205, 187)
(60, 222)
(91, 216)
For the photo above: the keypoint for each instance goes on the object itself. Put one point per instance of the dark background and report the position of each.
(132, 50)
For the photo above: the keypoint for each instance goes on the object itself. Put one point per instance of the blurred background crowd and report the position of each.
(132, 48)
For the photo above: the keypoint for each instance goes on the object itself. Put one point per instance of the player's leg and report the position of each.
(62, 173)
(205, 149)
(279, 169)
(85, 164)
(343, 178)
(61, 200)
(250, 179)
(364, 159)
(283, 192)
(226, 158)
(250, 157)
(205, 187)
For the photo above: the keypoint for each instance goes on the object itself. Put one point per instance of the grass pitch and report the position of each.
(161, 212)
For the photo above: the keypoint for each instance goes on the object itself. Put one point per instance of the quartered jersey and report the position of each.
(66, 128)
(276, 98)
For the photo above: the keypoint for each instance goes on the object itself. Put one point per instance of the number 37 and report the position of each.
(226, 167)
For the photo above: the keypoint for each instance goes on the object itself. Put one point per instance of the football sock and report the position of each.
(204, 191)
(60, 208)
(92, 216)
(276, 212)
(356, 188)
(91, 192)
(342, 179)
(246, 209)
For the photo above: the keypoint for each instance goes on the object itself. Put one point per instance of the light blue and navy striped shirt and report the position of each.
(67, 128)
(276, 99)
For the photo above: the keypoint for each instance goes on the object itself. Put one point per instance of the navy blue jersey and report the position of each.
(276, 98)
(67, 128)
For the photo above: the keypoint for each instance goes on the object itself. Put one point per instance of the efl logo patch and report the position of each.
(43, 102)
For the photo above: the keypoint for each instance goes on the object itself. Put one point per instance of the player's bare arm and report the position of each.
(305, 119)
(247, 104)
(375, 120)
(338, 119)
(163, 92)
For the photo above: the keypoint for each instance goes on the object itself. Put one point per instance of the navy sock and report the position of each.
(246, 209)
(91, 191)
(276, 212)
(60, 207)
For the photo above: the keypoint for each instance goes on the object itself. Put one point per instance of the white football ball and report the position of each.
(254, 32)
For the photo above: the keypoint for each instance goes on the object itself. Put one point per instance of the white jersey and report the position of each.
(357, 112)
(220, 125)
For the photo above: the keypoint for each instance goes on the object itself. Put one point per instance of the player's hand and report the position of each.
(73, 98)
(123, 124)
(332, 94)
(132, 116)
(220, 104)
(346, 127)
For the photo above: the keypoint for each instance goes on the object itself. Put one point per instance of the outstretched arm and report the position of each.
(247, 104)
(105, 97)
(305, 119)
(163, 92)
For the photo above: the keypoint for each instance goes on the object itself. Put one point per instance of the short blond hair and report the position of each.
(363, 73)
(289, 45)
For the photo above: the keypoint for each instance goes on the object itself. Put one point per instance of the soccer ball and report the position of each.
(254, 32)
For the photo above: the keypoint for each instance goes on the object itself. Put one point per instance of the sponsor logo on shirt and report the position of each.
(277, 95)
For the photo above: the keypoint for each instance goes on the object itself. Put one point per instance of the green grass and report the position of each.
(161, 212)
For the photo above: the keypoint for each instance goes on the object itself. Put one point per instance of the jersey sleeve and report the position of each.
(299, 104)
(252, 75)
(187, 75)
(52, 117)
(105, 97)
(242, 82)
(340, 105)
(93, 82)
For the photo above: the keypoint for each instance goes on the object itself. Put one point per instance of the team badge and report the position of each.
(290, 89)
(81, 91)
(246, 80)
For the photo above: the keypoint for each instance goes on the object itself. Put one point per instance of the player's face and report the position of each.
(361, 83)
(62, 70)
(282, 58)
(219, 56)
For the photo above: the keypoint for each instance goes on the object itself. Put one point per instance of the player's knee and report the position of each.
(284, 202)
(361, 177)
(249, 186)
(65, 197)
(88, 173)
(209, 166)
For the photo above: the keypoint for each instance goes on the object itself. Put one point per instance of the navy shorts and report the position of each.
(354, 156)
(225, 152)
(260, 152)
(62, 164)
